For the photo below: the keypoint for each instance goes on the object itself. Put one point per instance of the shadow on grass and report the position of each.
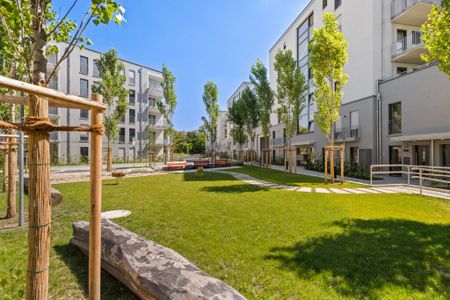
(371, 254)
(77, 262)
(241, 188)
(207, 176)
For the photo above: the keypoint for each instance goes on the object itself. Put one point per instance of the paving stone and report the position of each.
(322, 191)
(353, 191)
(338, 191)
(305, 190)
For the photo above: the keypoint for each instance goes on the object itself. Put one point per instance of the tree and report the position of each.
(265, 97)
(167, 105)
(436, 36)
(181, 143)
(291, 90)
(111, 87)
(210, 99)
(197, 138)
(237, 115)
(251, 106)
(328, 55)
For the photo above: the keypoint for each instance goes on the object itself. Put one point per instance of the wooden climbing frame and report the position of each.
(266, 158)
(329, 152)
(37, 126)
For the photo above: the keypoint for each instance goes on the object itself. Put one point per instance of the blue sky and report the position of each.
(199, 40)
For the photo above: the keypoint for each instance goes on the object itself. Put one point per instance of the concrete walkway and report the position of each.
(385, 189)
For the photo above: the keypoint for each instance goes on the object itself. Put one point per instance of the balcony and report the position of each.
(160, 125)
(411, 12)
(153, 109)
(278, 142)
(155, 92)
(408, 49)
(347, 134)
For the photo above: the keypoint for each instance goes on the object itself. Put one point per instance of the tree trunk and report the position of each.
(39, 205)
(109, 157)
(12, 180)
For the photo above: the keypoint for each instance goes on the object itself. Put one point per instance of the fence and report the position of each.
(433, 174)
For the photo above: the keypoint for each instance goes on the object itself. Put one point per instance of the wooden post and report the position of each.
(342, 163)
(109, 160)
(11, 211)
(332, 164)
(95, 207)
(39, 205)
(326, 164)
(5, 168)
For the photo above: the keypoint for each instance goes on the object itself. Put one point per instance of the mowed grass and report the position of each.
(268, 244)
(282, 177)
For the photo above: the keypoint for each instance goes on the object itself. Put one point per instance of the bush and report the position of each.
(350, 170)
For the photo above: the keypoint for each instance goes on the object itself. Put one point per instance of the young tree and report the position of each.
(237, 115)
(210, 99)
(167, 106)
(436, 36)
(328, 55)
(198, 140)
(111, 87)
(265, 97)
(251, 106)
(291, 91)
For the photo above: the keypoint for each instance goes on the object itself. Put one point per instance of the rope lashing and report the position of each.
(35, 124)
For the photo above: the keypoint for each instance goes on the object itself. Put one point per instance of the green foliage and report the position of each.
(252, 109)
(197, 139)
(237, 115)
(168, 104)
(291, 90)
(328, 55)
(436, 36)
(21, 19)
(264, 94)
(111, 87)
(210, 99)
(181, 143)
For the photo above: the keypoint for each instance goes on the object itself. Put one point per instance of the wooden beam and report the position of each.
(57, 98)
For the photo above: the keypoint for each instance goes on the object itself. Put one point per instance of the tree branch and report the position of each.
(63, 18)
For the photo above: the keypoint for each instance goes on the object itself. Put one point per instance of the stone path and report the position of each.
(399, 189)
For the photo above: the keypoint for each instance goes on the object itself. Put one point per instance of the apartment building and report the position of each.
(388, 90)
(141, 129)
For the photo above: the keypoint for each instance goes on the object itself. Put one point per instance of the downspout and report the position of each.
(140, 99)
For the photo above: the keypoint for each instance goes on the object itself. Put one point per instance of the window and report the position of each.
(132, 134)
(401, 70)
(273, 134)
(96, 71)
(152, 102)
(84, 88)
(324, 3)
(131, 77)
(152, 119)
(53, 84)
(84, 114)
(84, 153)
(132, 97)
(84, 137)
(337, 3)
(132, 116)
(122, 135)
(354, 124)
(395, 118)
(154, 85)
(52, 110)
(152, 137)
(84, 65)
(122, 119)
(354, 155)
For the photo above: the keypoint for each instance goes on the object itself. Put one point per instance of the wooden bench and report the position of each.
(177, 165)
(148, 269)
(201, 164)
(221, 163)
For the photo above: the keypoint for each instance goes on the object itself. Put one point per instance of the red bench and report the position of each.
(201, 164)
(221, 163)
(176, 165)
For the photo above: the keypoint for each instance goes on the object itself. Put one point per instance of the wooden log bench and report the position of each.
(148, 269)
(201, 164)
(176, 165)
(222, 163)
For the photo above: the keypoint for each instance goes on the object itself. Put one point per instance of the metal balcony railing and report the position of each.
(407, 43)
(278, 142)
(400, 6)
(347, 134)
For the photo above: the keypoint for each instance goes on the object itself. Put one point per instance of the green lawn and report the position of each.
(268, 244)
(281, 177)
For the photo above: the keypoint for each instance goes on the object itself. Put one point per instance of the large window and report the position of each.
(84, 88)
(84, 137)
(324, 3)
(152, 119)
(337, 3)
(132, 116)
(122, 135)
(395, 118)
(84, 114)
(152, 102)
(84, 153)
(354, 124)
(132, 97)
(131, 134)
(95, 70)
(84, 65)
(131, 77)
